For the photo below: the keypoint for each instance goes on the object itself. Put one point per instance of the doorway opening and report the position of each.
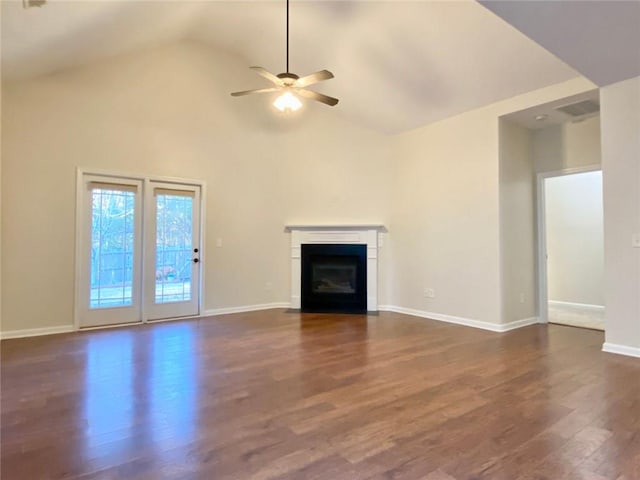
(571, 247)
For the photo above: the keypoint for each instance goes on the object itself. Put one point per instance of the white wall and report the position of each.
(169, 112)
(517, 223)
(620, 112)
(574, 238)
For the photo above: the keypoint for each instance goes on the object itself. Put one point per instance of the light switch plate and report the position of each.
(635, 241)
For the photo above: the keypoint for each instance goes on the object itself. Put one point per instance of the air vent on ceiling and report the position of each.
(579, 109)
(33, 3)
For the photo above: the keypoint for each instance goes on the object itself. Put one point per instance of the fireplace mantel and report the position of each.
(366, 234)
(338, 227)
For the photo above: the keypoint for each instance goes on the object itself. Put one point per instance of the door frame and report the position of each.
(543, 294)
(146, 180)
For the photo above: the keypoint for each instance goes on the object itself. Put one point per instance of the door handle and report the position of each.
(195, 260)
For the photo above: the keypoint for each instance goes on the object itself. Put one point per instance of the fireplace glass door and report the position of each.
(334, 278)
(334, 275)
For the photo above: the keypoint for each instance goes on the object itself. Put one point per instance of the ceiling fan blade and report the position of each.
(268, 75)
(318, 97)
(314, 78)
(257, 90)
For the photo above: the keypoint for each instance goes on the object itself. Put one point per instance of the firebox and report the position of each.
(334, 278)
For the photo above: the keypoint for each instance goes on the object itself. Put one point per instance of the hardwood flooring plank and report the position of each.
(278, 395)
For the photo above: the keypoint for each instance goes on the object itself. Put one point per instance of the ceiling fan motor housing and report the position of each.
(288, 78)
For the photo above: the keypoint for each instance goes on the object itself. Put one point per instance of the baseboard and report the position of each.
(621, 349)
(245, 308)
(467, 322)
(35, 332)
(523, 322)
(584, 306)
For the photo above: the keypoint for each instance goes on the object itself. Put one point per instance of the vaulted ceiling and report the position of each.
(398, 65)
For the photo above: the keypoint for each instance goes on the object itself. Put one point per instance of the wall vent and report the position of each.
(579, 109)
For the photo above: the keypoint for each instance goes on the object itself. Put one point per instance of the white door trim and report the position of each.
(81, 173)
(543, 300)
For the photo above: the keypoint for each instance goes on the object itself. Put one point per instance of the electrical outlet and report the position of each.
(429, 293)
(521, 297)
(268, 286)
(218, 242)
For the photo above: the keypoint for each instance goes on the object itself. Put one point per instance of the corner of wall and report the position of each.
(517, 224)
(620, 124)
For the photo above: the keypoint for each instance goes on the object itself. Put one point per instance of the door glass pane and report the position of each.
(112, 243)
(173, 248)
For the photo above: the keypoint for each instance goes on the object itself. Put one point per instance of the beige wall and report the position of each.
(1, 186)
(574, 238)
(582, 142)
(565, 146)
(169, 112)
(445, 219)
(620, 104)
(517, 223)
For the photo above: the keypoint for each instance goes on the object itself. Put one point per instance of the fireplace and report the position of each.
(334, 278)
(365, 237)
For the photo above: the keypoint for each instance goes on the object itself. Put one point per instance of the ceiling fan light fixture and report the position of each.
(287, 81)
(287, 102)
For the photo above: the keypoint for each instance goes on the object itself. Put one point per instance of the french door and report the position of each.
(110, 254)
(139, 250)
(172, 253)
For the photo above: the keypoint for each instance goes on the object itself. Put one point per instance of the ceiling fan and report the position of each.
(291, 85)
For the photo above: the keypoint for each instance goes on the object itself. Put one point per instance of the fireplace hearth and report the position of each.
(334, 278)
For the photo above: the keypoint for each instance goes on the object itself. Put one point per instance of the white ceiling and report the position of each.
(600, 39)
(546, 115)
(398, 65)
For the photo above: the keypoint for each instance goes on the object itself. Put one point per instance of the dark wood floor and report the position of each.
(288, 396)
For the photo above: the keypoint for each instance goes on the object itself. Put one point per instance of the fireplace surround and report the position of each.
(366, 236)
